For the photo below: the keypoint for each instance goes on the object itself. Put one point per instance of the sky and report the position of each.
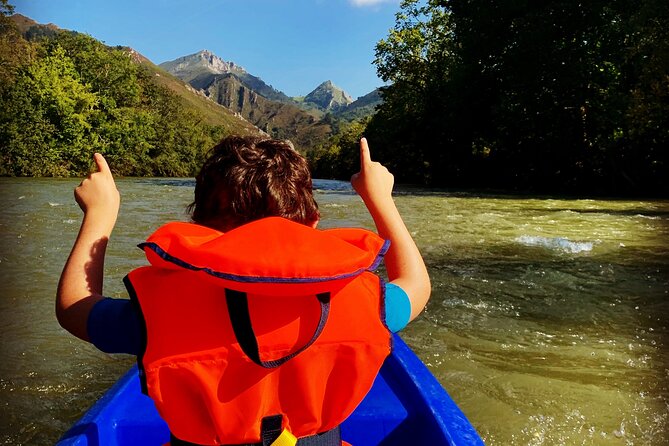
(293, 45)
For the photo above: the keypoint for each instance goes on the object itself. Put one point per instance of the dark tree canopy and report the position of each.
(551, 96)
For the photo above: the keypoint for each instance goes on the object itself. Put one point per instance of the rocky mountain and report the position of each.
(302, 120)
(190, 67)
(192, 99)
(328, 97)
(280, 119)
(200, 68)
(233, 87)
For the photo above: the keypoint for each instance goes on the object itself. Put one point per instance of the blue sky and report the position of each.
(294, 45)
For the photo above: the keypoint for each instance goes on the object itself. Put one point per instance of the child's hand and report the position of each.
(97, 194)
(374, 183)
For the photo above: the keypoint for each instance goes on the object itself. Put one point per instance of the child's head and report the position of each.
(248, 178)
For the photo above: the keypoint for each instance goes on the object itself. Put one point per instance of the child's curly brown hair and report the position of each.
(249, 178)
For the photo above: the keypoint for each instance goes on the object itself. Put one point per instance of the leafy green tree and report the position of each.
(77, 96)
(46, 119)
(15, 52)
(125, 136)
(414, 58)
(109, 71)
(339, 157)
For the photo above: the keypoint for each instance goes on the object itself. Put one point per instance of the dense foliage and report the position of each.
(339, 156)
(64, 96)
(551, 96)
(555, 96)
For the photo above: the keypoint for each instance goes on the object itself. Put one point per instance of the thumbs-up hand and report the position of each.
(97, 193)
(374, 183)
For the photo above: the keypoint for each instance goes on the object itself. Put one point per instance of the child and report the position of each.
(250, 325)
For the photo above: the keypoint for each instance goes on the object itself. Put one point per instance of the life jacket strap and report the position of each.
(270, 429)
(328, 438)
(238, 309)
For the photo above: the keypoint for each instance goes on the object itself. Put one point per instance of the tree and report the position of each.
(110, 71)
(642, 142)
(339, 157)
(529, 95)
(14, 50)
(46, 119)
(77, 96)
(415, 59)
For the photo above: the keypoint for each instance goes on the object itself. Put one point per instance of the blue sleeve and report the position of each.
(398, 308)
(114, 326)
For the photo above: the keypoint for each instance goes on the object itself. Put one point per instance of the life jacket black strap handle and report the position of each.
(238, 309)
(270, 429)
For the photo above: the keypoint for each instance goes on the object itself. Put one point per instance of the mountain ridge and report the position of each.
(198, 68)
(272, 111)
(282, 120)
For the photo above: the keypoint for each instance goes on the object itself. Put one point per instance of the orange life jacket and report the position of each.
(271, 318)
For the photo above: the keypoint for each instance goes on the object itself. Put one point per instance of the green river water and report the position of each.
(548, 322)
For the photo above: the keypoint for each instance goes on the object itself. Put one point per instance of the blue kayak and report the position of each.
(406, 406)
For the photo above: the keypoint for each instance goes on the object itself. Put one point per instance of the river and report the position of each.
(548, 322)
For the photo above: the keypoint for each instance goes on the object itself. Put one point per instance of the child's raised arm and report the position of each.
(80, 285)
(403, 261)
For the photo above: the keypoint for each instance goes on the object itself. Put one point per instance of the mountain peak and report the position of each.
(328, 96)
(204, 61)
(209, 57)
(204, 67)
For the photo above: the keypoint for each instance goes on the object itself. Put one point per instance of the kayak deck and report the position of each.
(406, 405)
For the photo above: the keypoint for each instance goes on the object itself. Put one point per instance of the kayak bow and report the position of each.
(406, 405)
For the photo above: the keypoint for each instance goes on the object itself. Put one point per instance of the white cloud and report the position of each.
(363, 3)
